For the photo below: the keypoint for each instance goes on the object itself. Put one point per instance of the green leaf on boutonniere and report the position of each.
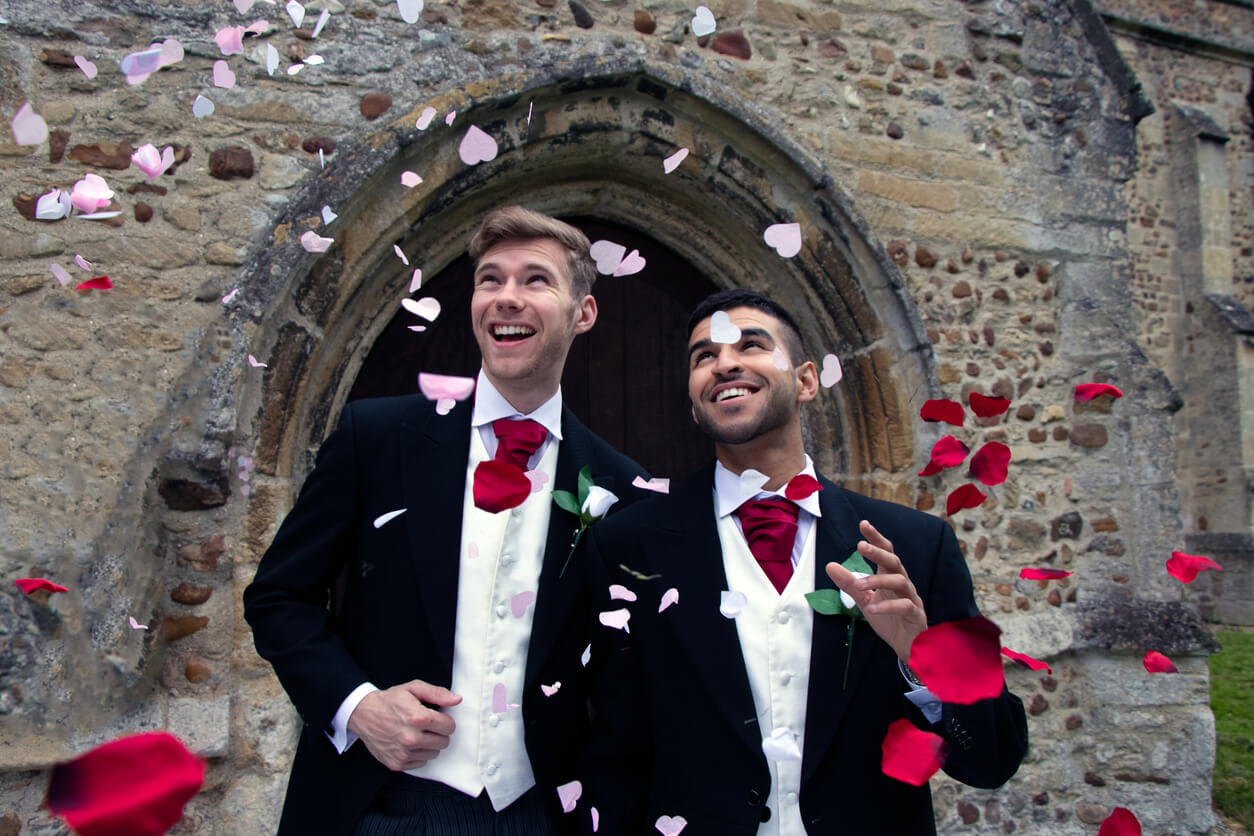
(585, 483)
(857, 563)
(826, 602)
(567, 502)
(831, 602)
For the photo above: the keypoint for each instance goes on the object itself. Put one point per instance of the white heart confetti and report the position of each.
(616, 618)
(832, 372)
(384, 519)
(296, 12)
(315, 243)
(436, 386)
(327, 215)
(424, 118)
(722, 329)
(672, 162)
(409, 9)
(703, 22)
(428, 307)
(618, 592)
(550, 690)
(669, 598)
(476, 147)
(223, 76)
(781, 745)
(201, 107)
(751, 481)
(586, 656)
(671, 825)
(569, 795)
(731, 603)
(242, 6)
(784, 238)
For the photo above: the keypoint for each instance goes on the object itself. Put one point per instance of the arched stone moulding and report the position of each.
(590, 141)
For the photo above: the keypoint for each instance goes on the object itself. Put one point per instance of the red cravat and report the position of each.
(770, 526)
(517, 441)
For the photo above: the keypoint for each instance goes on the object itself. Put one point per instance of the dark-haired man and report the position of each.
(421, 690)
(738, 708)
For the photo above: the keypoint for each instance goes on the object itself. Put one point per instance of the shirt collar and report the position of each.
(490, 405)
(730, 494)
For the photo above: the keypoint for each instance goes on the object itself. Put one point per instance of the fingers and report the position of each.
(431, 694)
(874, 537)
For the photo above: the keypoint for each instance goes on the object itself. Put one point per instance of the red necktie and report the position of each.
(770, 526)
(517, 441)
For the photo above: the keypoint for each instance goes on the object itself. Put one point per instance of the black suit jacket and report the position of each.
(675, 730)
(394, 617)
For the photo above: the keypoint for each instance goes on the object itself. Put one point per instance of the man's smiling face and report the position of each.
(738, 393)
(524, 314)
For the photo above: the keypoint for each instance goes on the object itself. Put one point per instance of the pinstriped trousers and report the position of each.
(408, 806)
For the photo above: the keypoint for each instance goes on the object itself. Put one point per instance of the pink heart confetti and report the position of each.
(779, 359)
(230, 39)
(415, 281)
(435, 386)
(424, 118)
(672, 162)
(410, 9)
(722, 329)
(400, 254)
(781, 745)
(569, 794)
(550, 690)
(153, 163)
(449, 117)
(223, 75)
(61, 274)
(618, 592)
(607, 256)
(671, 825)
(476, 147)
(617, 619)
(202, 107)
(630, 265)
(29, 585)
(135, 625)
(538, 480)
(384, 519)
(230, 297)
(98, 283)
(656, 485)
(785, 239)
(328, 217)
(29, 128)
(832, 372)
(669, 598)
(272, 60)
(409, 179)
(731, 603)
(171, 52)
(88, 68)
(83, 263)
(322, 21)
(53, 206)
(296, 12)
(315, 243)
(519, 603)
(255, 363)
(428, 307)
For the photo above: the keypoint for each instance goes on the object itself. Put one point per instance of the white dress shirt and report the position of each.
(499, 566)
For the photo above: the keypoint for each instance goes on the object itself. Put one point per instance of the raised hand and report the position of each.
(888, 599)
(400, 731)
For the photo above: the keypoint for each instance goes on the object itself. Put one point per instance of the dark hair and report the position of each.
(739, 297)
(511, 223)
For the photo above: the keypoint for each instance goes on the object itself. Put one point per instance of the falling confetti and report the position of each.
(959, 661)
(230, 40)
(83, 263)
(731, 603)
(135, 625)
(255, 363)
(986, 407)
(230, 297)
(424, 118)
(617, 619)
(400, 254)
(722, 329)
(538, 479)
(61, 274)
(1026, 660)
(328, 217)
(428, 307)
(569, 795)
(315, 243)
(1089, 391)
(29, 585)
(550, 690)
(29, 128)
(409, 179)
(409, 9)
(272, 59)
(702, 22)
(449, 117)
(322, 21)
(672, 162)
(611, 259)
(785, 239)
(296, 12)
(476, 147)
(1185, 567)
(910, 754)
(670, 825)
(1032, 574)
(89, 69)
(415, 281)
(53, 206)
(832, 372)
(202, 107)
(618, 592)
(669, 598)
(222, 75)
(751, 481)
(950, 412)
(518, 604)
(384, 519)
(656, 485)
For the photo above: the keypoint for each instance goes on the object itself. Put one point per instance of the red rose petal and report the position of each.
(911, 754)
(1156, 662)
(801, 486)
(960, 661)
(986, 407)
(949, 452)
(1184, 567)
(1026, 660)
(930, 469)
(500, 486)
(990, 463)
(98, 283)
(1120, 822)
(966, 496)
(1043, 574)
(135, 785)
(29, 585)
(1089, 391)
(950, 412)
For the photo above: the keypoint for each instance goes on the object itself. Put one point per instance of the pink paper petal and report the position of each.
(476, 147)
(596, 817)
(669, 597)
(672, 162)
(538, 480)
(1089, 391)
(230, 39)
(222, 75)
(1184, 567)
(436, 386)
(29, 128)
(1120, 822)
(444, 406)
(242, 6)
(949, 452)
(722, 329)
(1156, 662)
(135, 625)
(98, 283)
(966, 496)
(986, 407)
(569, 795)
(618, 592)
(607, 255)
(424, 118)
(53, 206)
(171, 52)
(1026, 660)
(230, 297)
(1033, 574)
(942, 410)
(990, 464)
(60, 273)
(415, 281)
(409, 179)
(29, 585)
(449, 117)
(400, 254)
(960, 661)
(83, 263)
(670, 825)
(630, 265)
(315, 243)
(257, 27)
(499, 706)
(550, 690)
(255, 363)
(384, 519)
(88, 68)
(616, 619)
(785, 239)
(428, 307)
(657, 485)
(910, 754)
(831, 373)
(519, 603)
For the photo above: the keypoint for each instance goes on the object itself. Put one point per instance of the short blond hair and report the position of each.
(514, 223)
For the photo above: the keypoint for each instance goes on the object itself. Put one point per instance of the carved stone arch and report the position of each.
(593, 147)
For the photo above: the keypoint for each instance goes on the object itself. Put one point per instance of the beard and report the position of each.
(775, 413)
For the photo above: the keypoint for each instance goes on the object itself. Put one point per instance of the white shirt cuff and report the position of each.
(339, 735)
(923, 699)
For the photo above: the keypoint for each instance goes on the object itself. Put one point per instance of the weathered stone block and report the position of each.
(203, 725)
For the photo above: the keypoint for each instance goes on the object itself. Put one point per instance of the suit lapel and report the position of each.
(689, 557)
(434, 479)
(836, 538)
